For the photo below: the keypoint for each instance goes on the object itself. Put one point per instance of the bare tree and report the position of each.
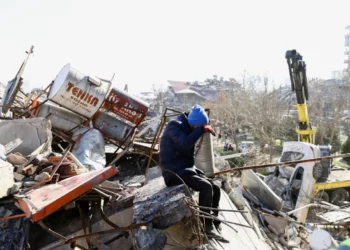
(264, 115)
(328, 100)
(227, 109)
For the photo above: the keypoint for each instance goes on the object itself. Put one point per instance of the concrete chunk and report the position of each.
(33, 132)
(155, 199)
(6, 178)
(148, 238)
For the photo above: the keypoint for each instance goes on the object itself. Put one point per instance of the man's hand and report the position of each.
(209, 129)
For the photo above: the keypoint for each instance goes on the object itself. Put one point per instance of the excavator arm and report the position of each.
(297, 73)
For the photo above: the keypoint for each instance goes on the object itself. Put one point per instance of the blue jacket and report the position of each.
(177, 148)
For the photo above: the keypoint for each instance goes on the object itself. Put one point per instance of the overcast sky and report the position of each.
(149, 42)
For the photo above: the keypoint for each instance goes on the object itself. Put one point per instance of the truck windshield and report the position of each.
(291, 156)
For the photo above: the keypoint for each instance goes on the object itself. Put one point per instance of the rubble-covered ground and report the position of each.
(84, 188)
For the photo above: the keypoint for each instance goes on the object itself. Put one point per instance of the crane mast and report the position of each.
(297, 72)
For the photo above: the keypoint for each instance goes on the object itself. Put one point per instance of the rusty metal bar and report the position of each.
(115, 230)
(41, 93)
(120, 155)
(171, 115)
(80, 237)
(155, 139)
(13, 217)
(53, 233)
(105, 218)
(131, 132)
(107, 191)
(62, 159)
(116, 238)
(93, 235)
(174, 110)
(283, 163)
(11, 107)
(159, 130)
(37, 106)
(102, 193)
(63, 136)
(217, 209)
(83, 224)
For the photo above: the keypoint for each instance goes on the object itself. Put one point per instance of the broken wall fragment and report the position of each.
(33, 132)
(6, 178)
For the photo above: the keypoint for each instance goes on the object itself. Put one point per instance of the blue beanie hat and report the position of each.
(198, 116)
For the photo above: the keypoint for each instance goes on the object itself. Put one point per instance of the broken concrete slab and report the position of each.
(33, 132)
(6, 178)
(165, 204)
(162, 205)
(148, 238)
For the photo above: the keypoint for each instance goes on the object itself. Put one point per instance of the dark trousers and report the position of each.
(209, 192)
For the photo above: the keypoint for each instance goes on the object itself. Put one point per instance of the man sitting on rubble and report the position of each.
(177, 155)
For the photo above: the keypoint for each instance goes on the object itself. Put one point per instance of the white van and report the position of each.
(300, 178)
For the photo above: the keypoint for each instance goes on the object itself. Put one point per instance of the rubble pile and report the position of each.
(20, 171)
(11, 231)
(74, 169)
(161, 205)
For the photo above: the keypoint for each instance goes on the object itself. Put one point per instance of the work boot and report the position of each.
(212, 233)
(217, 225)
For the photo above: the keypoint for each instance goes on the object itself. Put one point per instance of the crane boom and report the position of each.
(297, 72)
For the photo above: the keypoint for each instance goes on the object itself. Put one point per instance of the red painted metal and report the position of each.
(126, 106)
(39, 203)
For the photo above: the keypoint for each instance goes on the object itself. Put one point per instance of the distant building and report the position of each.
(189, 93)
(183, 95)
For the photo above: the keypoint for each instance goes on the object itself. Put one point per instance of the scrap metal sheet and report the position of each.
(41, 202)
(261, 190)
(336, 216)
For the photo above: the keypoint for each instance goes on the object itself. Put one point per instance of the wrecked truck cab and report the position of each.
(297, 181)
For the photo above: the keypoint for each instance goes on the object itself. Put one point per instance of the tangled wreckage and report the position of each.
(74, 174)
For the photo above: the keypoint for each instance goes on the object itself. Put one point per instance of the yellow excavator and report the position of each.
(297, 71)
(332, 184)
